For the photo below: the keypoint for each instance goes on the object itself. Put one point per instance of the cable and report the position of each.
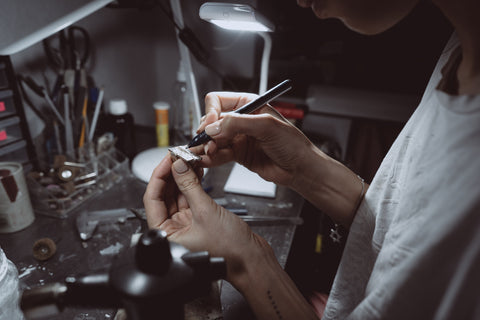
(195, 46)
(44, 114)
(185, 34)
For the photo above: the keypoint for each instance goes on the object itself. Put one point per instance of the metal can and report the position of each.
(16, 212)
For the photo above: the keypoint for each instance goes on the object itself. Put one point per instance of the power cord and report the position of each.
(195, 46)
(185, 34)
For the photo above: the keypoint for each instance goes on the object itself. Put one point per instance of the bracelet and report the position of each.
(362, 194)
(335, 232)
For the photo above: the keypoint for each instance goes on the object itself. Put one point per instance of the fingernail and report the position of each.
(213, 129)
(206, 149)
(180, 166)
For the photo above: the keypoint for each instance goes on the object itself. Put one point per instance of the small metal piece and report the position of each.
(86, 176)
(44, 249)
(66, 173)
(140, 214)
(75, 164)
(87, 221)
(85, 184)
(184, 153)
(271, 220)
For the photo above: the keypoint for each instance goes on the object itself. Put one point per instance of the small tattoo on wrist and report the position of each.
(274, 305)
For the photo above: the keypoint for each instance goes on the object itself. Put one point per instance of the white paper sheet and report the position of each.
(244, 181)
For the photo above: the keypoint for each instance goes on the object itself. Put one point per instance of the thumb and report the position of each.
(189, 184)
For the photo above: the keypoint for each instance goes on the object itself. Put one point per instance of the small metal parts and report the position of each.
(65, 177)
(184, 153)
(88, 221)
(44, 249)
(65, 173)
(65, 183)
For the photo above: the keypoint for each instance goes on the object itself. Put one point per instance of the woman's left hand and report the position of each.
(176, 203)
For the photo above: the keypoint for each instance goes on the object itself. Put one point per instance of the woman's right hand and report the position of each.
(269, 145)
(264, 142)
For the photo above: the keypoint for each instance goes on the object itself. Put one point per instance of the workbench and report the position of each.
(77, 257)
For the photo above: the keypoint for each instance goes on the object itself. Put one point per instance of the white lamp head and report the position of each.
(234, 16)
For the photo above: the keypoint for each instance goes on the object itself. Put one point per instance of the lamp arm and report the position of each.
(267, 49)
(186, 61)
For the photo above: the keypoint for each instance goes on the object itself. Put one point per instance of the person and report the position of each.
(413, 250)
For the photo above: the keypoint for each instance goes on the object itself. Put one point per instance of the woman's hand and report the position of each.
(263, 142)
(271, 146)
(176, 203)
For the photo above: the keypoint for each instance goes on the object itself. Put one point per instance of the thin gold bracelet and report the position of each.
(335, 232)
(362, 194)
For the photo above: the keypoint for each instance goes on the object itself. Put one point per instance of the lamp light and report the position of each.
(242, 17)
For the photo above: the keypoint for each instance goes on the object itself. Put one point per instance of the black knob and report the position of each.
(153, 254)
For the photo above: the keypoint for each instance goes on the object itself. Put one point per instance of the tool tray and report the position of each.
(57, 197)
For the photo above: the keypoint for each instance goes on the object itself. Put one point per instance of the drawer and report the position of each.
(16, 152)
(7, 106)
(10, 130)
(3, 76)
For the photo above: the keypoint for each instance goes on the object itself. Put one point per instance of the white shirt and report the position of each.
(413, 250)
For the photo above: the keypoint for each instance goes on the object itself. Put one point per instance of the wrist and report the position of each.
(314, 174)
(259, 258)
(330, 186)
(267, 287)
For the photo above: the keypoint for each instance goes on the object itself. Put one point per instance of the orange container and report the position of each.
(161, 121)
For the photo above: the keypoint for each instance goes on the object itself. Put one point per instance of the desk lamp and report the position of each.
(242, 17)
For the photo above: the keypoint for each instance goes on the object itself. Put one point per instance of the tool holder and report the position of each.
(71, 183)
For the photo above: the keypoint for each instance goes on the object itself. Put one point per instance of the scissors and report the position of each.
(68, 51)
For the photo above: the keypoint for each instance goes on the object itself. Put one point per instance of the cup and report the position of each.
(16, 212)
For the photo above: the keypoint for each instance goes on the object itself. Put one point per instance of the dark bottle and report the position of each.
(120, 122)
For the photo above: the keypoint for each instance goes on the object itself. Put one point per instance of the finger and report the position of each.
(226, 101)
(182, 201)
(198, 150)
(189, 185)
(262, 127)
(210, 147)
(154, 198)
(272, 111)
(218, 102)
(218, 158)
(210, 117)
(171, 197)
(199, 172)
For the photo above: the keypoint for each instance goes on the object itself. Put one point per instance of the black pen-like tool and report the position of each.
(250, 107)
